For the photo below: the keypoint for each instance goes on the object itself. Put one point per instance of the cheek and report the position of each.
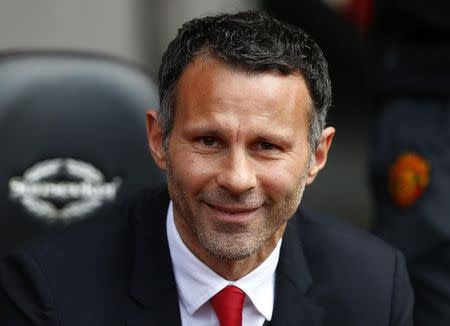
(191, 171)
(278, 184)
(283, 179)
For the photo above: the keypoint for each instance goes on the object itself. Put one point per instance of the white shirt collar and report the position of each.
(197, 283)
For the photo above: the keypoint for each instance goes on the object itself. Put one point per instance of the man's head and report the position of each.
(240, 96)
(254, 43)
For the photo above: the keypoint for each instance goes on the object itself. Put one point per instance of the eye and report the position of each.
(208, 140)
(266, 146)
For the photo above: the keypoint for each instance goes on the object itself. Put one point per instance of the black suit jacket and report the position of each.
(116, 270)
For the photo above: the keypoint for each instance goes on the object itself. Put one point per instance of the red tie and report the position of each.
(228, 304)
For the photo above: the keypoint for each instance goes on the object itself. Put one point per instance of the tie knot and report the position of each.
(228, 304)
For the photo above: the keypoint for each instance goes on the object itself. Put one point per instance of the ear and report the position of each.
(320, 156)
(154, 137)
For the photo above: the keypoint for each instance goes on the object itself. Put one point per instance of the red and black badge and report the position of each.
(408, 178)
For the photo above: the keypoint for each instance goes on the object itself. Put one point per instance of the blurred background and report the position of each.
(139, 31)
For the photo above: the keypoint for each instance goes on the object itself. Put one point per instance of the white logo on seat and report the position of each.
(62, 189)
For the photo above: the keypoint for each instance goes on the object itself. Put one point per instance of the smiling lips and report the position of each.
(236, 214)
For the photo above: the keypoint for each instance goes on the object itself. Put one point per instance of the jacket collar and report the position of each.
(292, 304)
(153, 283)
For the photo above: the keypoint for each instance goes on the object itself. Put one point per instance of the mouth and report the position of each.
(229, 213)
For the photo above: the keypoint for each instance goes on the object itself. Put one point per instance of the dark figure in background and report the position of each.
(343, 45)
(410, 161)
(241, 132)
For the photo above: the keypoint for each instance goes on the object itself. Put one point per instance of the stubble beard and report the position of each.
(229, 242)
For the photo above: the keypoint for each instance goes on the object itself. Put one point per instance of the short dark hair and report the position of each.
(256, 43)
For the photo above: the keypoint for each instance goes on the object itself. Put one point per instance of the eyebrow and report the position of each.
(264, 134)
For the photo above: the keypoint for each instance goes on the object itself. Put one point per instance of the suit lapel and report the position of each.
(153, 284)
(293, 280)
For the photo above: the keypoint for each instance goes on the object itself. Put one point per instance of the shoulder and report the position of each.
(334, 246)
(86, 265)
(104, 243)
(65, 259)
(334, 237)
(347, 262)
(352, 270)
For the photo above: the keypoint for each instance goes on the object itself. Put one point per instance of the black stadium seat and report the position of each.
(72, 139)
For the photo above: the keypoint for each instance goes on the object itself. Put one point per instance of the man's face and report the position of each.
(237, 159)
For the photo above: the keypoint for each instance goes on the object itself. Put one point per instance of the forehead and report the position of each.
(208, 85)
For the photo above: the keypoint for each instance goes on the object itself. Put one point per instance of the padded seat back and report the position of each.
(72, 139)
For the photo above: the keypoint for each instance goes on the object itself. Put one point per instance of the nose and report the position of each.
(237, 173)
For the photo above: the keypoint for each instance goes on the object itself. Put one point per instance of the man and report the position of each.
(241, 132)
(409, 161)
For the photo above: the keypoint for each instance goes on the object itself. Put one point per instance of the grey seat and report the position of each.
(72, 139)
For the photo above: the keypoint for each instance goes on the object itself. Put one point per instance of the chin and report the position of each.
(231, 247)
